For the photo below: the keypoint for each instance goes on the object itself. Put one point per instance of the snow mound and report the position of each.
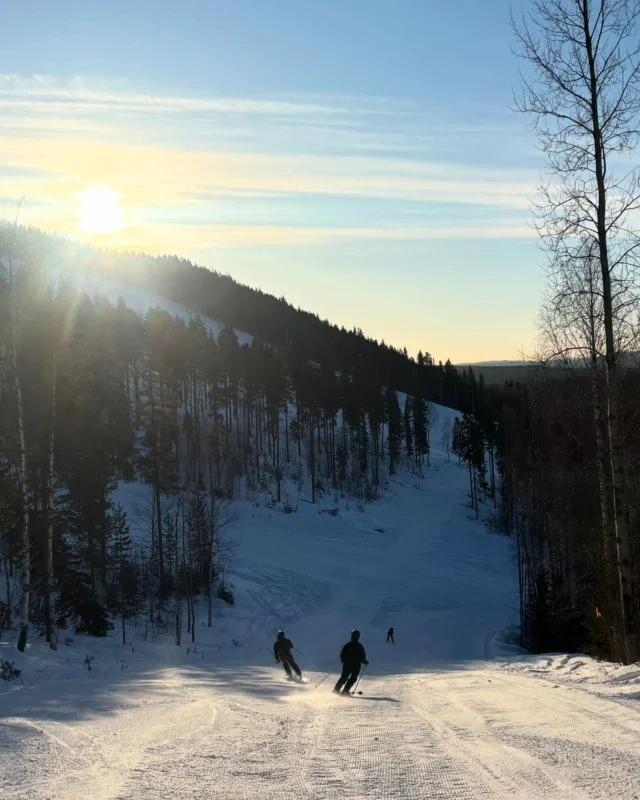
(578, 670)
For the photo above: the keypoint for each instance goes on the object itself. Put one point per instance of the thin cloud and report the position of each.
(165, 175)
(176, 158)
(18, 91)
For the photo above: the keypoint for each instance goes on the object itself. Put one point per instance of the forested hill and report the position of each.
(96, 397)
(270, 319)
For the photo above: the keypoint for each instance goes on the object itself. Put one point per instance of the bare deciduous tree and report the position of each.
(582, 89)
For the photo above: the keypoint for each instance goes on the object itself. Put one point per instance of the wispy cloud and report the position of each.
(47, 90)
(149, 172)
(167, 154)
(299, 123)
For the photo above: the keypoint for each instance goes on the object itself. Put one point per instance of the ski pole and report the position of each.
(326, 676)
(359, 679)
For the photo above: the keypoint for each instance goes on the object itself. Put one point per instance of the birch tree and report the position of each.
(582, 90)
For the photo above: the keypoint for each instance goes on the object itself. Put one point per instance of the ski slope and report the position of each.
(139, 299)
(445, 713)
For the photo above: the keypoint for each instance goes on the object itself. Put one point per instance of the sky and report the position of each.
(358, 157)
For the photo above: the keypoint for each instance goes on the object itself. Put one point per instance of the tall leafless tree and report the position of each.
(581, 86)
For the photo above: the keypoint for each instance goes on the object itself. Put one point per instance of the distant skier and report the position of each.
(282, 651)
(352, 656)
(390, 636)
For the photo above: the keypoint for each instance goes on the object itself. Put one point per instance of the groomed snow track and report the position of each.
(438, 719)
(476, 733)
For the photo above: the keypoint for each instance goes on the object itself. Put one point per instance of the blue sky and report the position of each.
(357, 157)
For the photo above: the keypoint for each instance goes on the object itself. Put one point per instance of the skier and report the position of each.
(282, 651)
(353, 656)
(390, 636)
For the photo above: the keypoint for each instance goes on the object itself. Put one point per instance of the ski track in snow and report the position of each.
(437, 719)
(476, 734)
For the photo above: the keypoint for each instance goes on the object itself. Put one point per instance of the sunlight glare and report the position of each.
(99, 210)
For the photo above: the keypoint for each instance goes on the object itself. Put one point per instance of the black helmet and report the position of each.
(280, 634)
(355, 636)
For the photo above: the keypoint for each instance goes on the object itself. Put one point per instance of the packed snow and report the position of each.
(443, 713)
(451, 710)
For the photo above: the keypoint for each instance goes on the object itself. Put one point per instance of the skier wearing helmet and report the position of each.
(282, 651)
(352, 656)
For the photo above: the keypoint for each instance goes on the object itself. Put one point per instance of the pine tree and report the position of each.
(408, 428)
(394, 422)
(419, 428)
(159, 458)
(124, 571)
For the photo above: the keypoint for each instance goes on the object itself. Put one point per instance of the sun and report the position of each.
(99, 210)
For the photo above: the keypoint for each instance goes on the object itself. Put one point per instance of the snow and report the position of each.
(141, 301)
(450, 711)
(577, 671)
(444, 712)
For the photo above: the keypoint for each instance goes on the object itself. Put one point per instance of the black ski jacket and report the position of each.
(282, 650)
(353, 653)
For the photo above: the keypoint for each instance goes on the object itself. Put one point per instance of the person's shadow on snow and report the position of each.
(381, 699)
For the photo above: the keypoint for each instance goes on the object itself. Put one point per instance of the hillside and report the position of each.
(140, 300)
(437, 717)
(326, 513)
(110, 391)
(221, 298)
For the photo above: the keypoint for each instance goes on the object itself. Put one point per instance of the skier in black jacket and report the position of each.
(353, 656)
(282, 651)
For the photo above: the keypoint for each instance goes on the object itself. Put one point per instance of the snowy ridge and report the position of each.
(141, 301)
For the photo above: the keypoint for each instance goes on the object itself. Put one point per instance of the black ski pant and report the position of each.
(289, 664)
(390, 636)
(349, 676)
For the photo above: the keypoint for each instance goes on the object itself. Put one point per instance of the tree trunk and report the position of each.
(136, 391)
(178, 619)
(277, 445)
(286, 427)
(312, 461)
(212, 529)
(157, 486)
(494, 494)
(475, 492)
(620, 498)
(48, 572)
(333, 451)
(178, 595)
(8, 576)
(158, 510)
(188, 592)
(122, 606)
(602, 467)
(193, 611)
(22, 481)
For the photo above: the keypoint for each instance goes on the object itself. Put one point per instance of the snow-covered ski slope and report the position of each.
(445, 713)
(437, 719)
